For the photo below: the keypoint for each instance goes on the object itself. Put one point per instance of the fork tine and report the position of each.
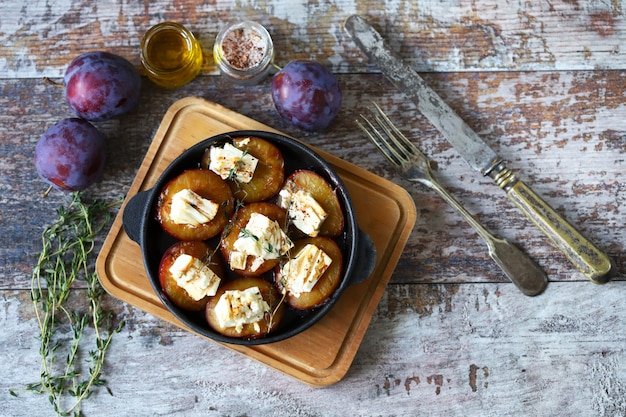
(377, 138)
(394, 133)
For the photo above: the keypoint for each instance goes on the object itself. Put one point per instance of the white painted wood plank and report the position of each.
(450, 35)
(451, 350)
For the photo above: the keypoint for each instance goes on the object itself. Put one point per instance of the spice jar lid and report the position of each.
(244, 52)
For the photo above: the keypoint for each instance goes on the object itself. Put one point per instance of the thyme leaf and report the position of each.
(247, 233)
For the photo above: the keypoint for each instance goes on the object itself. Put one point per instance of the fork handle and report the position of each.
(591, 261)
(520, 268)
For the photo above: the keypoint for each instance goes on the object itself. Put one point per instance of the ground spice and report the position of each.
(243, 48)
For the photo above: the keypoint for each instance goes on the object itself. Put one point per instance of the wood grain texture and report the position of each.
(449, 35)
(562, 133)
(543, 82)
(502, 355)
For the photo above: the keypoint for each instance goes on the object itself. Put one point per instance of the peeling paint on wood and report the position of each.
(516, 114)
(489, 354)
(447, 35)
(543, 82)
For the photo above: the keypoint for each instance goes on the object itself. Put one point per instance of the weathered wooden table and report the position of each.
(542, 82)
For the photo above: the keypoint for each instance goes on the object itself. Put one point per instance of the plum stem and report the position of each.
(278, 68)
(52, 82)
(47, 192)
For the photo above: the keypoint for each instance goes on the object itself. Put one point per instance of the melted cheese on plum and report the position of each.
(232, 163)
(236, 308)
(303, 210)
(301, 273)
(262, 238)
(194, 276)
(191, 209)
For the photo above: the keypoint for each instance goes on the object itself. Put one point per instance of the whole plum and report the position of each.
(101, 85)
(70, 155)
(306, 94)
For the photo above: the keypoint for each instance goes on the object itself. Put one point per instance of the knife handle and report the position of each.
(591, 261)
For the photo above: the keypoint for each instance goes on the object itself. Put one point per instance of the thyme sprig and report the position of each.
(65, 257)
(232, 174)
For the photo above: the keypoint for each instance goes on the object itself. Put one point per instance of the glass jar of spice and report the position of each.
(244, 52)
(171, 55)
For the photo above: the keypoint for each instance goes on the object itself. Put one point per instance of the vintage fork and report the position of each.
(414, 166)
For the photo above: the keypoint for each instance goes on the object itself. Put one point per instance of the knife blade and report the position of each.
(584, 255)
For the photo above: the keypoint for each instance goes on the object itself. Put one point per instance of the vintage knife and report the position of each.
(590, 260)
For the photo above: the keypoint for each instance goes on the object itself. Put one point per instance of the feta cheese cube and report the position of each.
(301, 273)
(237, 260)
(236, 308)
(304, 211)
(194, 276)
(262, 238)
(232, 163)
(191, 209)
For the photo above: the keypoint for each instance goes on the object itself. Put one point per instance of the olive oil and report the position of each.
(171, 55)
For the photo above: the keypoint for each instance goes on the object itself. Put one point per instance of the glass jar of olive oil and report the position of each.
(244, 52)
(171, 55)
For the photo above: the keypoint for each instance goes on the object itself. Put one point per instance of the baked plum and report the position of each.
(205, 184)
(269, 173)
(235, 310)
(239, 230)
(316, 186)
(196, 249)
(325, 285)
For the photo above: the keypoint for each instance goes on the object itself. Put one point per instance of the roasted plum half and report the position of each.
(269, 321)
(177, 294)
(326, 284)
(205, 184)
(237, 228)
(269, 174)
(323, 193)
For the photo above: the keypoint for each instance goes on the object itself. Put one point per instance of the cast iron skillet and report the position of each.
(141, 226)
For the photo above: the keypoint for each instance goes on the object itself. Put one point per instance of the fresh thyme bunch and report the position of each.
(65, 257)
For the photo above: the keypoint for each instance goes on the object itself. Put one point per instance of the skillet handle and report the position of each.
(365, 259)
(134, 215)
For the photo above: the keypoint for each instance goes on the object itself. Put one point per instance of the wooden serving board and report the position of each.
(322, 354)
